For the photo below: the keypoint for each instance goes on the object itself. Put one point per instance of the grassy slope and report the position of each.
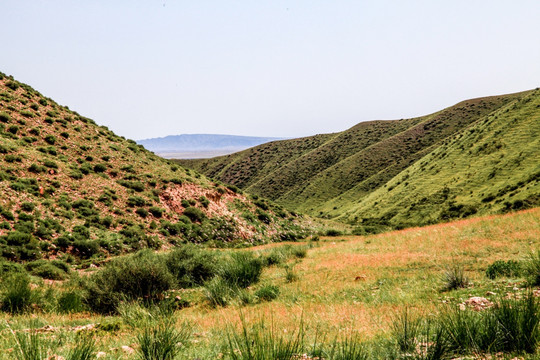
(395, 270)
(333, 177)
(51, 157)
(493, 166)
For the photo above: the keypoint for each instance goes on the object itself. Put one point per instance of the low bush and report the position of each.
(70, 301)
(192, 266)
(46, 270)
(142, 276)
(510, 268)
(194, 214)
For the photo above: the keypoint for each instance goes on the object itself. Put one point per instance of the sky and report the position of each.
(278, 68)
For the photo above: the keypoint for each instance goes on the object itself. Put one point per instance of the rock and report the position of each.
(101, 354)
(478, 303)
(127, 350)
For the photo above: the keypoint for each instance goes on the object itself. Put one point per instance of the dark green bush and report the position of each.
(510, 268)
(46, 270)
(194, 214)
(27, 206)
(85, 249)
(134, 185)
(13, 129)
(99, 168)
(70, 301)
(50, 139)
(192, 266)
(142, 276)
(136, 201)
(156, 211)
(4, 117)
(142, 212)
(333, 232)
(12, 85)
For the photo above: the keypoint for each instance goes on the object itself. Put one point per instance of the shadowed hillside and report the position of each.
(72, 188)
(336, 175)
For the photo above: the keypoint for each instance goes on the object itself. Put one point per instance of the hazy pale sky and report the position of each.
(267, 68)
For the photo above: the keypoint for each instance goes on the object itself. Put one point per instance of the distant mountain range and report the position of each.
(193, 146)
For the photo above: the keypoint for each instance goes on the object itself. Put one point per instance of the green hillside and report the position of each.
(72, 189)
(348, 175)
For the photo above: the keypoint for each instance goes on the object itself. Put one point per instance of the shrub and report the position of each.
(192, 266)
(136, 201)
(37, 169)
(194, 214)
(142, 212)
(85, 249)
(46, 270)
(99, 168)
(204, 201)
(333, 232)
(13, 129)
(156, 211)
(27, 206)
(50, 164)
(134, 185)
(49, 139)
(510, 268)
(267, 292)
(142, 276)
(4, 117)
(12, 85)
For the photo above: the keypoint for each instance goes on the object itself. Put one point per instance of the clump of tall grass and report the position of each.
(242, 269)
(29, 346)
(163, 341)
(406, 329)
(510, 326)
(348, 347)
(84, 349)
(17, 296)
(262, 341)
(532, 269)
(454, 277)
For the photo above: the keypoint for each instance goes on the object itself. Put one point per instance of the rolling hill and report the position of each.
(478, 156)
(72, 189)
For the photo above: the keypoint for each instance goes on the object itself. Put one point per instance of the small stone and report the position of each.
(127, 350)
(101, 354)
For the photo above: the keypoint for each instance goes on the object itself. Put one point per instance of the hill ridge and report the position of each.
(343, 170)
